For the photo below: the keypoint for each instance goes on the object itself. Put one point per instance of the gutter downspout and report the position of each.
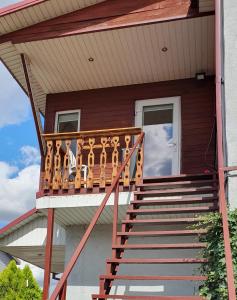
(220, 154)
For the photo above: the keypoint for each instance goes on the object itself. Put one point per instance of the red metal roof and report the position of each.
(19, 6)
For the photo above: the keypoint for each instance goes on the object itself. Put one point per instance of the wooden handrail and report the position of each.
(92, 133)
(93, 222)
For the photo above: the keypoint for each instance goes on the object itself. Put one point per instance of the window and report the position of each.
(67, 121)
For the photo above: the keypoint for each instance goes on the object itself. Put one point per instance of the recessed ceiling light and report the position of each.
(91, 59)
(164, 49)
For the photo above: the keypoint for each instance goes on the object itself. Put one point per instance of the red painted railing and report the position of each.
(114, 187)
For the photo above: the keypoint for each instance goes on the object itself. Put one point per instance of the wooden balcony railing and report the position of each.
(87, 159)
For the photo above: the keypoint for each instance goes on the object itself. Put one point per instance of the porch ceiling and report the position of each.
(35, 255)
(116, 57)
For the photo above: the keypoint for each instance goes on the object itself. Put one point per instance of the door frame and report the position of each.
(176, 101)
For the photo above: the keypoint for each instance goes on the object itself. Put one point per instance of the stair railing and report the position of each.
(115, 185)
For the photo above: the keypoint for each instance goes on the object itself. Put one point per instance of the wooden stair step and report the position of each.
(176, 210)
(180, 191)
(126, 297)
(160, 246)
(163, 233)
(177, 183)
(173, 201)
(180, 177)
(175, 221)
(161, 278)
(156, 261)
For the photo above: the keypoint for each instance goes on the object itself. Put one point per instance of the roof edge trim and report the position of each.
(9, 9)
(18, 220)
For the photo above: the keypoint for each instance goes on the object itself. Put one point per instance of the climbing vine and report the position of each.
(215, 287)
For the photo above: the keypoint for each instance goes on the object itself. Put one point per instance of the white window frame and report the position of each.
(63, 112)
(176, 101)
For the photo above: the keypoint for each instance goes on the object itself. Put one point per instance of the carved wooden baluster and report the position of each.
(66, 164)
(91, 163)
(80, 143)
(57, 179)
(103, 161)
(115, 156)
(139, 164)
(48, 165)
(126, 178)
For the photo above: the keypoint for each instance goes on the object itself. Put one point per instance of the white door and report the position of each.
(160, 120)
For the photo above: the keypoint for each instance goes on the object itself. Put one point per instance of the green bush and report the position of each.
(215, 287)
(17, 284)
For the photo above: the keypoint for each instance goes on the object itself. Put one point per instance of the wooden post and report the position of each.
(115, 218)
(48, 253)
(63, 293)
(30, 95)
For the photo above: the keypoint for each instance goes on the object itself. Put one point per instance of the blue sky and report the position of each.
(19, 157)
(7, 2)
(19, 154)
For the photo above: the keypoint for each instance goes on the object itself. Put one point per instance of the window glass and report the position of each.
(68, 122)
(158, 114)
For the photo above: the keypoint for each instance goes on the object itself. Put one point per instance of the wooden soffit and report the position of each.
(107, 15)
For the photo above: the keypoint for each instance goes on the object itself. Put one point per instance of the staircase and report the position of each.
(163, 209)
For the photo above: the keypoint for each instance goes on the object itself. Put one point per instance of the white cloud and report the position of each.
(30, 155)
(13, 101)
(158, 161)
(18, 188)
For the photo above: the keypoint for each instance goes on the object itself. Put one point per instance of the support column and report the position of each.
(63, 293)
(30, 94)
(48, 253)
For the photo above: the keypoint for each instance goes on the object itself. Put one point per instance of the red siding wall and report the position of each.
(115, 107)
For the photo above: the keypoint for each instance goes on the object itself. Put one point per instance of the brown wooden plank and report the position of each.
(175, 183)
(173, 201)
(160, 246)
(163, 233)
(177, 210)
(168, 278)
(92, 133)
(123, 297)
(156, 261)
(177, 191)
(169, 221)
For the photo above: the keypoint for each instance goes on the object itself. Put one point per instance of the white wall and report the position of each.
(230, 77)
(33, 234)
(84, 279)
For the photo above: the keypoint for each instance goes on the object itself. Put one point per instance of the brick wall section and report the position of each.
(115, 107)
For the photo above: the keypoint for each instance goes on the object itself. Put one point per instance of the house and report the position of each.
(139, 106)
